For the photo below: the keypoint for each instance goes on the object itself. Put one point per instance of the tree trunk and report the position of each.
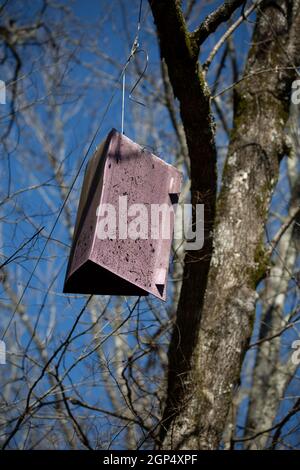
(271, 375)
(215, 318)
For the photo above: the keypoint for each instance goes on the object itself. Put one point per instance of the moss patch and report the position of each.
(261, 265)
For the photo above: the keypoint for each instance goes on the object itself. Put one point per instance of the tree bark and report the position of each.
(271, 375)
(181, 55)
(215, 315)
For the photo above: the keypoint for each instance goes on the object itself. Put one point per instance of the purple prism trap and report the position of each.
(121, 170)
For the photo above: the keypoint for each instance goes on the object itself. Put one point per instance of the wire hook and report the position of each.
(140, 77)
(134, 50)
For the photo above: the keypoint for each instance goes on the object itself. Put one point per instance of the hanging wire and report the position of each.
(134, 49)
(123, 101)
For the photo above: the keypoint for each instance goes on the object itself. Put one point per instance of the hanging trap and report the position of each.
(120, 177)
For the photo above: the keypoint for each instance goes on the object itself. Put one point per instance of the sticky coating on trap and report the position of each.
(122, 265)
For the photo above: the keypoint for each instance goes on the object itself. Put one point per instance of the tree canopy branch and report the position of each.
(214, 20)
